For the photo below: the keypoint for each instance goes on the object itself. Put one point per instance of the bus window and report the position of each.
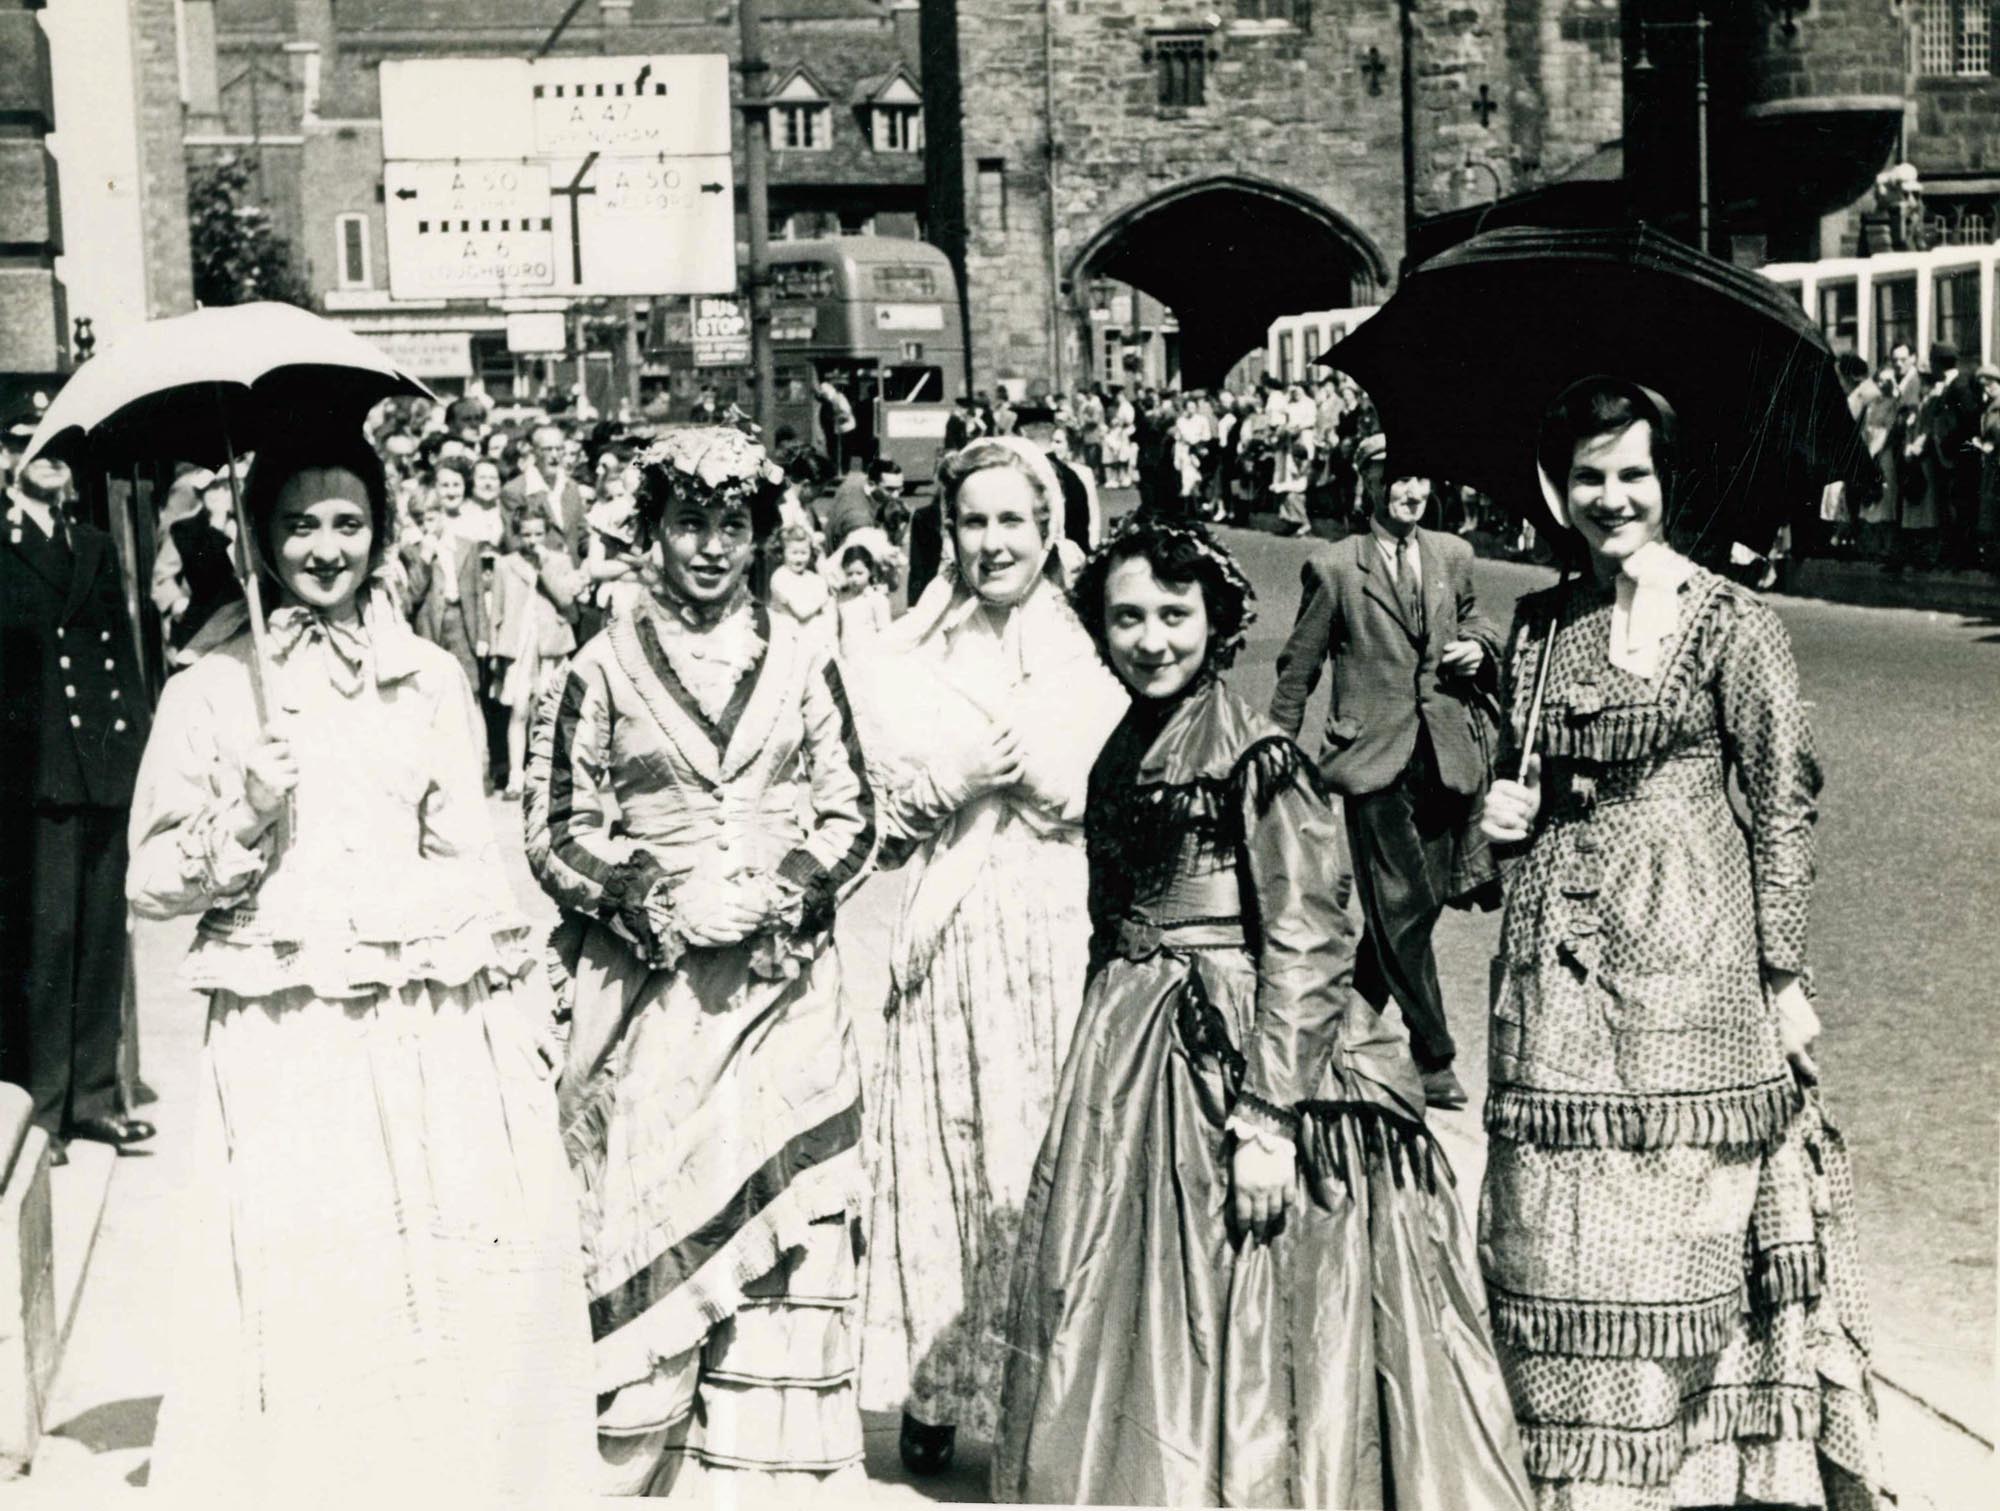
(905, 281)
(1895, 313)
(802, 281)
(1839, 316)
(914, 385)
(1955, 313)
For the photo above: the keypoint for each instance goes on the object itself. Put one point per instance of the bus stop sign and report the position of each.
(560, 175)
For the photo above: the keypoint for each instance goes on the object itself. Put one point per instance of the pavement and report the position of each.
(1907, 722)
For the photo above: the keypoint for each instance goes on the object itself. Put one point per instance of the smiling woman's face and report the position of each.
(707, 549)
(1616, 501)
(998, 534)
(320, 539)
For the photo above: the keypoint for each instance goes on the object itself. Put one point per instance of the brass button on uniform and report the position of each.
(118, 724)
(75, 722)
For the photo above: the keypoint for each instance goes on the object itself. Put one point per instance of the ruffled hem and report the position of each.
(715, 1292)
(1652, 1456)
(358, 967)
(1615, 1329)
(1747, 1116)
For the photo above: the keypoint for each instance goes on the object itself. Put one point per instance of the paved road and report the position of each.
(1907, 718)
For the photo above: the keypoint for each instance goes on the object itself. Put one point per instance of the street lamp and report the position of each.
(1643, 67)
(1469, 180)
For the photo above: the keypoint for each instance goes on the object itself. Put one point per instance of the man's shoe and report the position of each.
(1442, 1091)
(118, 1132)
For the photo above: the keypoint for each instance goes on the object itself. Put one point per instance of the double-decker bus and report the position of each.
(877, 317)
(1293, 341)
(1869, 304)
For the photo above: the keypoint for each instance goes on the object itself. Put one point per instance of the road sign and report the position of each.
(719, 333)
(469, 230)
(622, 178)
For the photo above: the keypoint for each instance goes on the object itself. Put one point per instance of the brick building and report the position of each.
(296, 81)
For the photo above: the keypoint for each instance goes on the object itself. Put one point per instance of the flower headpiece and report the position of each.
(707, 465)
(1178, 553)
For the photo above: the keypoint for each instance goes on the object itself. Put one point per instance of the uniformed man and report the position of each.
(73, 718)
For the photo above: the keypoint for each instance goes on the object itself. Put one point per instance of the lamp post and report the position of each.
(1699, 26)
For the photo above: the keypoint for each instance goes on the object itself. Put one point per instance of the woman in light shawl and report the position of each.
(991, 944)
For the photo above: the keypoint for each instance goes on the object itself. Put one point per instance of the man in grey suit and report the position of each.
(1393, 611)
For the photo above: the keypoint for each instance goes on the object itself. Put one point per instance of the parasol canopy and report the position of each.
(205, 387)
(1468, 353)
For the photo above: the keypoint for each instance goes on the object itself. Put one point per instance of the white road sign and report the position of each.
(469, 230)
(621, 176)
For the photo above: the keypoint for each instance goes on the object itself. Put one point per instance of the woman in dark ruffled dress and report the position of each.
(1243, 1277)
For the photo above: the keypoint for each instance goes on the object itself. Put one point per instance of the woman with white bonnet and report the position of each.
(1667, 1227)
(991, 944)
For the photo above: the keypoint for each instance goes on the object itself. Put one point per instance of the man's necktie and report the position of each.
(1408, 586)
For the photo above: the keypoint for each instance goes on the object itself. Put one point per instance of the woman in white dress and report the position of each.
(991, 943)
(382, 1290)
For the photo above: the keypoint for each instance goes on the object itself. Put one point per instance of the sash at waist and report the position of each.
(1139, 937)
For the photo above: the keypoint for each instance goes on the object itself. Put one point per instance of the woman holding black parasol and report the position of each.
(1666, 1225)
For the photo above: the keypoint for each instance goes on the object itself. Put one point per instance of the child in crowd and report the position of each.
(861, 599)
(537, 636)
(796, 588)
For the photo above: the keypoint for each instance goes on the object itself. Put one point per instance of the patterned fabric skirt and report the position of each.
(1631, 1398)
(718, 1141)
(969, 1070)
(380, 1293)
(765, 1407)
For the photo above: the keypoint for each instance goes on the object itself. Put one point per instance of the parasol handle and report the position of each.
(246, 569)
(1533, 729)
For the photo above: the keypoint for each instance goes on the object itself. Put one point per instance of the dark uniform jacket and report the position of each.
(73, 706)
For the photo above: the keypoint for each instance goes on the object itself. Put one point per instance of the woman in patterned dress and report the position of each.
(1243, 1277)
(381, 1296)
(987, 960)
(697, 806)
(1666, 1224)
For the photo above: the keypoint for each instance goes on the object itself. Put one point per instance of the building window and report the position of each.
(351, 237)
(801, 128)
(1182, 62)
(1286, 347)
(857, 223)
(899, 128)
(992, 200)
(1955, 39)
(1288, 12)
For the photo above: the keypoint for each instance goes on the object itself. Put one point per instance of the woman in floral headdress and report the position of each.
(987, 960)
(1242, 1277)
(697, 805)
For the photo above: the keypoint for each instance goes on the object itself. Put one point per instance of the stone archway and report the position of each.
(1229, 254)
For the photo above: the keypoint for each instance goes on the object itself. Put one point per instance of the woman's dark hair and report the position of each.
(277, 464)
(1599, 407)
(1853, 366)
(453, 464)
(1178, 556)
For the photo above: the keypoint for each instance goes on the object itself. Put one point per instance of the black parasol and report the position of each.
(1465, 357)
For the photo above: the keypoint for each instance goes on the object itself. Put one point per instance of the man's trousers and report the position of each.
(1404, 840)
(62, 973)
